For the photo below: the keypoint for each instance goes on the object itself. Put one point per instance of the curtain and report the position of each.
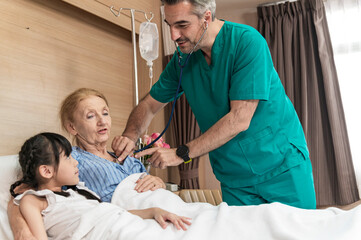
(183, 127)
(344, 17)
(298, 37)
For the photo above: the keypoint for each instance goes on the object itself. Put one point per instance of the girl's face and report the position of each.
(68, 173)
(92, 121)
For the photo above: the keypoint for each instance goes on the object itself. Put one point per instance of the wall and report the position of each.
(48, 49)
(240, 12)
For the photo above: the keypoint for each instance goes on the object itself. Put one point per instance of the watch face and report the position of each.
(182, 150)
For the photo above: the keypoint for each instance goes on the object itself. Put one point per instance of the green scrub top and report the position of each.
(241, 69)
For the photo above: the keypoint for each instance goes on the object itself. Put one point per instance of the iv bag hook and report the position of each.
(117, 12)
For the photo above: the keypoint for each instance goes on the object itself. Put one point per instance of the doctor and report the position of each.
(250, 128)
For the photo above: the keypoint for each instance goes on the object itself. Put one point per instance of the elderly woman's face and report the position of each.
(92, 121)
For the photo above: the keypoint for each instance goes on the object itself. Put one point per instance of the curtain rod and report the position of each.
(279, 2)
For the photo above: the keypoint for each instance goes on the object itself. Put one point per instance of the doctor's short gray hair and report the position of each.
(200, 6)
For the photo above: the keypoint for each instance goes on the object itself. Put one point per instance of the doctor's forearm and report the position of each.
(141, 116)
(234, 122)
(219, 134)
(137, 123)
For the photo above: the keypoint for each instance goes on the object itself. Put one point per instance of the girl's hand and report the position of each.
(162, 216)
(149, 182)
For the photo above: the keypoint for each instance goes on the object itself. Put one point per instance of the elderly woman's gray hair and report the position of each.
(200, 6)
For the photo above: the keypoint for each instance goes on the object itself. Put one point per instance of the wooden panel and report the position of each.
(47, 50)
(101, 8)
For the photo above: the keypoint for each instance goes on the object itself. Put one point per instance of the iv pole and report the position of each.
(134, 41)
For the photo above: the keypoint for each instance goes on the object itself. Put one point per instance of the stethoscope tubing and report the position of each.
(171, 114)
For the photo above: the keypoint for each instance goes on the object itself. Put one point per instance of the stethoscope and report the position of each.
(179, 83)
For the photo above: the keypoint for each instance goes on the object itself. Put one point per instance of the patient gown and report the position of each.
(75, 217)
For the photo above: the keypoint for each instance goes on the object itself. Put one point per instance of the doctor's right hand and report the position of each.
(122, 146)
(161, 157)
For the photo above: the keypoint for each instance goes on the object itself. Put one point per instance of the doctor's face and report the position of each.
(185, 27)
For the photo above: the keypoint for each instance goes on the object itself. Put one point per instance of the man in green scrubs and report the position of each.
(250, 128)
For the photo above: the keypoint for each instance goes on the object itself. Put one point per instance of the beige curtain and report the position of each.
(298, 37)
(184, 129)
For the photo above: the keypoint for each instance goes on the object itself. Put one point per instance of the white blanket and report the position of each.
(267, 221)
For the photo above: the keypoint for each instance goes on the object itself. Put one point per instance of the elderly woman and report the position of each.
(85, 115)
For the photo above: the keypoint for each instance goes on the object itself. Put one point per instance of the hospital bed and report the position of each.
(213, 197)
(9, 170)
(271, 221)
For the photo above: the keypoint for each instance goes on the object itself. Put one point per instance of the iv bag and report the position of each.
(149, 43)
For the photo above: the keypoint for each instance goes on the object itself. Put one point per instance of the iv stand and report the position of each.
(134, 41)
(139, 143)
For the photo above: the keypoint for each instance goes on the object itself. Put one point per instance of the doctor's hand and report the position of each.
(122, 146)
(161, 157)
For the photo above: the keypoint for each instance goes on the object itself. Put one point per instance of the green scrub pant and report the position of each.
(294, 187)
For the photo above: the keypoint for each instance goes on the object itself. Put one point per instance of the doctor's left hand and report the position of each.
(161, 157)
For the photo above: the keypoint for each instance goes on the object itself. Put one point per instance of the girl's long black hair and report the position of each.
(43, 149)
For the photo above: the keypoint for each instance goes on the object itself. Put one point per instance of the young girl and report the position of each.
(51, 211)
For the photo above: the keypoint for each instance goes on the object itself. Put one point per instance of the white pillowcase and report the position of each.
(9, 170)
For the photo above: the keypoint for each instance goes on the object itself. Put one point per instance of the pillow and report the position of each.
(9, 170)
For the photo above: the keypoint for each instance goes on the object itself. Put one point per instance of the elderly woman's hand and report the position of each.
(149, 182)
(122, 146)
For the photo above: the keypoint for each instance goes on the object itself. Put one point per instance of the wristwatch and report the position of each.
(182, 152)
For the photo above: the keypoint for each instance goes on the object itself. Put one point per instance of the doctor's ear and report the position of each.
(206, 24)
(207, 19)
(208, 16)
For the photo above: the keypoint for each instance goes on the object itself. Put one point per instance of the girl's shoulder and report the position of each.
(33, 201)
(32, 194)
(49, 198)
